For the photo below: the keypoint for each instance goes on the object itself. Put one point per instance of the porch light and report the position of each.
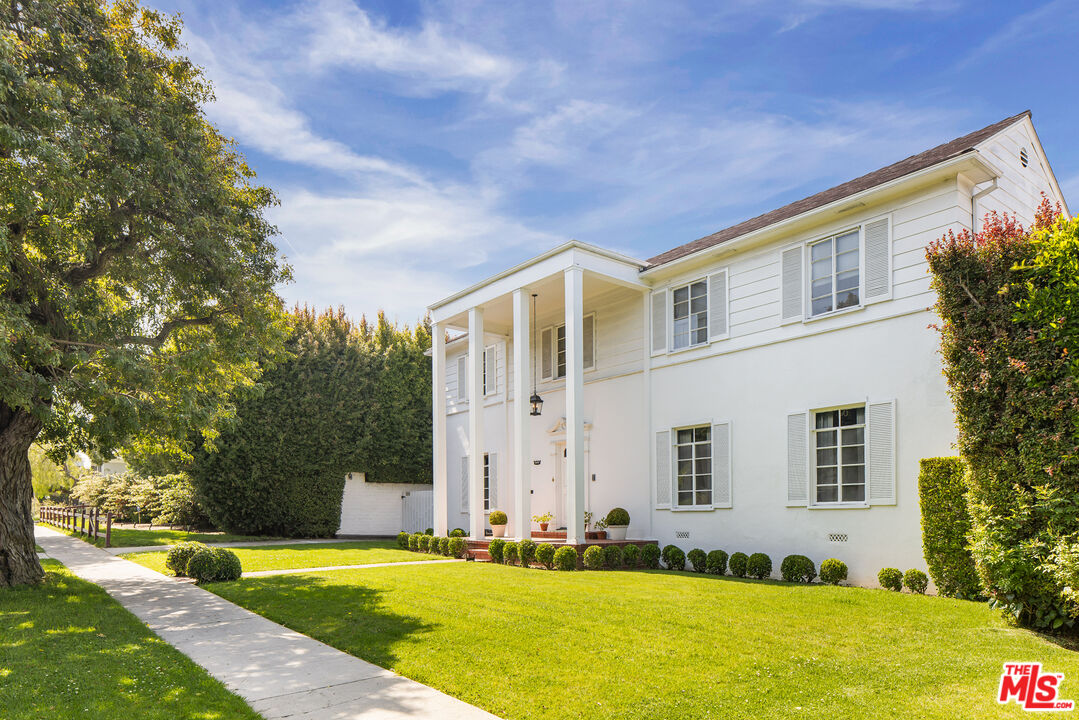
(536, 401)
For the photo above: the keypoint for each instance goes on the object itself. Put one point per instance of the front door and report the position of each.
(560, 487)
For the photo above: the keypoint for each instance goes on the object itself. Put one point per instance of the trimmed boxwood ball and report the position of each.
(526, 552)
(414, 541)
(214, 565)
(891, 579)
(509, 553)
(424, 543)
(716, 562)
(612, 555)
(180, 554)
(565, 558)
(650, 556)
(618, 516)
(833, 571)
(497, 517)
(444, 546)
(916, 581)
(593, 557)
(495, 549)
(699, 559)
(228, 565)
(797, 568)
(458, 532)
(429, 531)
(674, 558)
(545, 554)
(759, 566)
(457, 547)
(631, 555)
(739, 563)
(402, 540)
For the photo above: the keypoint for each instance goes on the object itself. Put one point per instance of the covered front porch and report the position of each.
(556, 288)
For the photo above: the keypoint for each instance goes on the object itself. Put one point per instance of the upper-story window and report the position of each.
(552, 348)
(834, 279)
(690, 315)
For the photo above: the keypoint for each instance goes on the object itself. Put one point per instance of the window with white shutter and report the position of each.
(689, 315)
(721, 465)
(462, 377)
(546, 354)
(717, 305)
(464, 484)
(490, 481)
(490, 370)
(881, 421)
(838, 439)
(878, 261)
(791, 284)
(663, 469)
(659, 322)
(557, 350)
(589, 332)
(797, 459)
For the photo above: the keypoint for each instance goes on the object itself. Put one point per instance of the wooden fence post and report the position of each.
(108, 529)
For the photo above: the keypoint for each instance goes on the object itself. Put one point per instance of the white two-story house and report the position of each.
(768, 388)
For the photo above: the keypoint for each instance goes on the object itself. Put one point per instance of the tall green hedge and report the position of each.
(349, 397)
(946, 527)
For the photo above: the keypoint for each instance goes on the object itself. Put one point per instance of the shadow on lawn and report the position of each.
(352, 618)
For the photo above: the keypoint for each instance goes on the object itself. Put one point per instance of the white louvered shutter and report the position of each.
(462, 377)
(797, 459)
(878, 261)
(791, 285)
(880, 416)
(721, 465)
(659, 322)
(663, 469)
(490, 370)
(546, 354)
(717, 306)
(589, 332)
(464, 484)
(492, 481)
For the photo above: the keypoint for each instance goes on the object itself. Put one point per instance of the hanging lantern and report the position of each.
(536, 401)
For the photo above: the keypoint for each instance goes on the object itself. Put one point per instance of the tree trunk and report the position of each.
(18, 560)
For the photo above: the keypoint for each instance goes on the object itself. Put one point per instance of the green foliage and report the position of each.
(545, 554)
(699, 559)
(526, 552)
(798, 568)
(631, 555)
(456, 547)
(1009, 307)
(414, 541)
(739, 564)
(674, 558)
(891, 579)
(759, 566)
(915, 580)
(613, 557)
(495, 549)
(180, 554)
(164, 500)
(617, 516)
(214, 565)
(178, 503)
(650, 556)
(444, 546)
(458, 532)
(402, 540)
(509, 553)
(946, 527)
(497, 517)
(593, 557)
(833, 571)
(716, 562)
(345, 399)
(424, 543)
(52, 480)
(565, 558)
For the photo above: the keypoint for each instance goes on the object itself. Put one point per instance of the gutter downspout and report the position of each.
(974, 205)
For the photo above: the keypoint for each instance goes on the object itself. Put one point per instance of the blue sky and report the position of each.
(418, 147)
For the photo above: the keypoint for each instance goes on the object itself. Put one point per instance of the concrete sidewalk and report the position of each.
(281, 673)
(234, 544)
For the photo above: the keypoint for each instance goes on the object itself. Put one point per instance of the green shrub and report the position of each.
(458, 532)
(916, 581)
(402, 540)
(593, 557)
(565, 558)
(716, 562)
(497, 517)
(509, 553)
(631, 555)
(739, 563)
(429, 531)
(891, 579)
(457, 547)
(526, 552)
(613, 557)
(674, 558)
(228, 565)
(618, 516)
(424, 543)
(545, 554)
(946, 527)
(495, 549)
(174, 501)
(833, 571)
(414, 541)
(798, 568)
(699, 559)
(650, 556)
(214, 565)
(180, 554)
(759, 566)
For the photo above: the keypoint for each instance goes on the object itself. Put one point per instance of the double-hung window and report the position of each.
(693, 453)
(839, 444)
(834, 277)
(690, 315)
(553, 348)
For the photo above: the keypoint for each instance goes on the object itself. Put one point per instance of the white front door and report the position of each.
(559, 487)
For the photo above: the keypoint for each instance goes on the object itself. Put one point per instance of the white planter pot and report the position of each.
(498, 530)
(617, 532)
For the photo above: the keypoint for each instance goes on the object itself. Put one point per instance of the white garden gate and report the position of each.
(417, 510)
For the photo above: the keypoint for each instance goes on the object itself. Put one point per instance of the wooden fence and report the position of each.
(80, 519)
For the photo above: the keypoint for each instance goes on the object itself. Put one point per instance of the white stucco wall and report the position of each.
(375, 508)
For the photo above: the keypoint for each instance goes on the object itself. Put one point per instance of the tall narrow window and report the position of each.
(690, 314)
(839, 440)
(560, 352)
(693, 451)
(486, 481)
(834, 273)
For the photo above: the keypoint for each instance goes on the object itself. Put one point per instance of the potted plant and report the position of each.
(600, 533)
(498, 521)
(544, 520)
(617, 524)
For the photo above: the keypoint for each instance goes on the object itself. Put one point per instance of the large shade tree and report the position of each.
(137, 271)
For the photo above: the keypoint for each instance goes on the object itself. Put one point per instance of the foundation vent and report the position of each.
(837, 537)
(682, 534)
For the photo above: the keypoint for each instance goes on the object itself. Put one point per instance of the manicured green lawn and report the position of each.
(126, 537)
(286, 557)
(68, 650)
(538, 644)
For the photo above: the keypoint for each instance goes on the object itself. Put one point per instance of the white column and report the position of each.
(521, 520)
(476, 518)
(574, 282)
(438, 430)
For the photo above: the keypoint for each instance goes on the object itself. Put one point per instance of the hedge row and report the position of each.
(946, 527)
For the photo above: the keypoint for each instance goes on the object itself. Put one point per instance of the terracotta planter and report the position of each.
(595, 535)
(617, 532)
(498, 530)
(543, 527)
